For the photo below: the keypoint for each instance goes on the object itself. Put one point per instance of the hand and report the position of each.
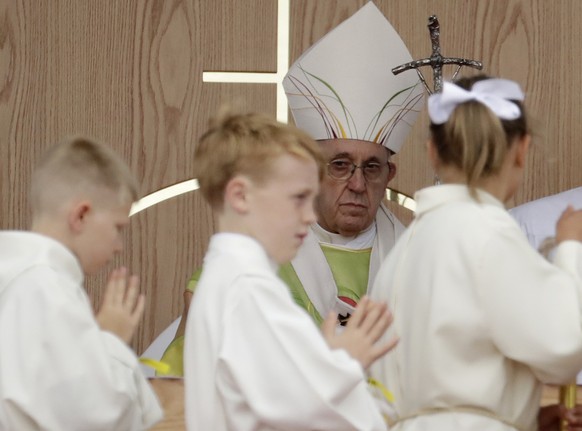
(569, 226)
(365, 327)
(549, 417)
(122, 305)
(573, 416)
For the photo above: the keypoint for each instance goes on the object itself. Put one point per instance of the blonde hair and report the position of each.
(474, 139)
(80, 167)
(246, 144)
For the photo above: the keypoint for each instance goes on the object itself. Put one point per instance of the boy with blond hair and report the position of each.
(253, 358)
(61, 367)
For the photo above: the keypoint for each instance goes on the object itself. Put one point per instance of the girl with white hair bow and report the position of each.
(483, 319)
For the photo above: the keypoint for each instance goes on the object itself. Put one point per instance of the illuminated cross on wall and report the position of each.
(187, 186)
(237, 77)
(266, 77)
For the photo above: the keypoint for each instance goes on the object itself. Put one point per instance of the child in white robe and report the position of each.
(253, 358)
(483, 319)
(62, 367)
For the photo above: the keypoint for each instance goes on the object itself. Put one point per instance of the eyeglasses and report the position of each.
(343, 169)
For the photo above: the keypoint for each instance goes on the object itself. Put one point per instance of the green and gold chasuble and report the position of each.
(174, 353)
(350, 269)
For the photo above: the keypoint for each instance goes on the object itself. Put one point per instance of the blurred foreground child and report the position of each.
(61, 367)
(254, 360)
(482, 317)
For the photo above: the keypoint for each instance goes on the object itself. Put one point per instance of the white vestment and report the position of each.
(483, 319)
(58, 370)
(315, 274)
(254, 360)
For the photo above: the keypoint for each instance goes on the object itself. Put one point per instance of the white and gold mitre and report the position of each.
(343, 87)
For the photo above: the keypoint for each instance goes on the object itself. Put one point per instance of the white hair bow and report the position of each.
(493, 93)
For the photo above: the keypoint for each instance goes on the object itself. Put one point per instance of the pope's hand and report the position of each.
(550, 417)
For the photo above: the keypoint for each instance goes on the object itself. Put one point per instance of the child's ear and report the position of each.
(78, 215)
(236, 194)
(522, 150)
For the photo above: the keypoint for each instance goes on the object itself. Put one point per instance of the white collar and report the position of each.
(431, 197)
(364, 239)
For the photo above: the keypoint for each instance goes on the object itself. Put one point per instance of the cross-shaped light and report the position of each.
(266, 77)
(254, 78)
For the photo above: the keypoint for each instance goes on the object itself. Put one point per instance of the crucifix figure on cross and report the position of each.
(436, 61)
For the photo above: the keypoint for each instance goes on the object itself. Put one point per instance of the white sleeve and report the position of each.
(58, 370)
(533, 307)
(278, 360)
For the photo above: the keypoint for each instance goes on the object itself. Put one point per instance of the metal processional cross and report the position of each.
(436, 61)
(283, 9)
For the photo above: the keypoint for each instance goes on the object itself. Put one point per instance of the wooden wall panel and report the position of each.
(130, 73)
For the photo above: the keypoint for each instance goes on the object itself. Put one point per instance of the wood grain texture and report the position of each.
(129, 73)
(534, 42)
(170, 392)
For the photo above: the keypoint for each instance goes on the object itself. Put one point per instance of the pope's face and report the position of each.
(349, 206)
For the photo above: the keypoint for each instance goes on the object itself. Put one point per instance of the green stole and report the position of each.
(350, 270)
